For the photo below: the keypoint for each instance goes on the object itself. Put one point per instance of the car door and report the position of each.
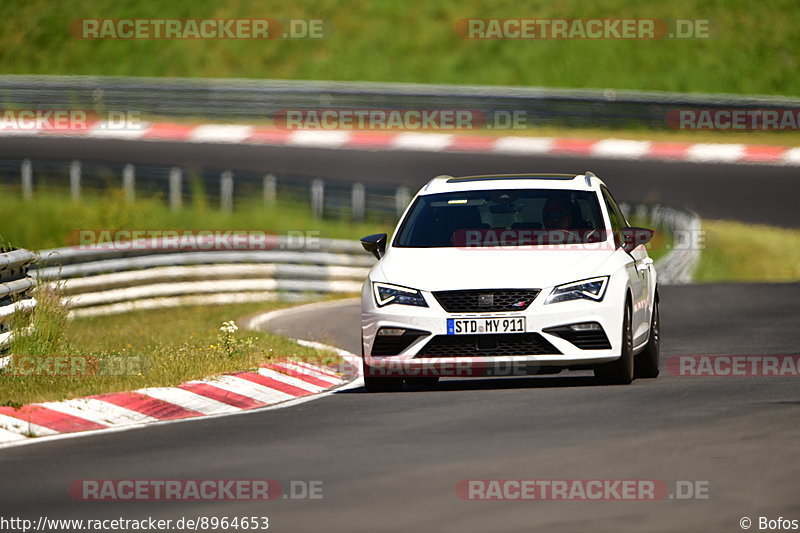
(638, 270)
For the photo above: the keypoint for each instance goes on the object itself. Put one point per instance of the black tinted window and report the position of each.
(615, 215)
(439, 220)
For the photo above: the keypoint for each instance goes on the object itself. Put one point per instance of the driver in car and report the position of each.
(558, 221)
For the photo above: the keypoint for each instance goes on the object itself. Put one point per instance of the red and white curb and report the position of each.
(431, 142)
(280, 383)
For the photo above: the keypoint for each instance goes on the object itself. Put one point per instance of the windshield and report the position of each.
(501, 218)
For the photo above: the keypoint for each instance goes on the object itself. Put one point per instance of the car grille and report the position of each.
(475, 301)
(585, 340)
(487, 345)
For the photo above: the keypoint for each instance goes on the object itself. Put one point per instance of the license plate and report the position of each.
(499, 324)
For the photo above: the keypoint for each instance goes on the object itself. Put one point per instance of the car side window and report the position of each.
(623, 221)
(615, 215)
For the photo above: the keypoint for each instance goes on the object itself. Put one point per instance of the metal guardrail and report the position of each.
(115, 279)
(249, 99)
(15, 287)
(228, 188)
(677, 266)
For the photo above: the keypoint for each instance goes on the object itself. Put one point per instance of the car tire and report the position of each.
(423, 382)
(647, 361)
(620, 372)
(379, 383)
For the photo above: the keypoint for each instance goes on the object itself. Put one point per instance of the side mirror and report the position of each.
(633, 237)
(375, 244)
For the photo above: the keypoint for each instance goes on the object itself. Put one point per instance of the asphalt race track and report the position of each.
(762, 194)
(391, 462)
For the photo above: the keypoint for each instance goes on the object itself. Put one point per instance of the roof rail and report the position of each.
(439, 177)
(503, 177)
(589, 175)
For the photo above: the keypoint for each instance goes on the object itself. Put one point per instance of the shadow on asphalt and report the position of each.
(500, 383)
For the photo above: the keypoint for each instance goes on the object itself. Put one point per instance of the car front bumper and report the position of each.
(539, 318)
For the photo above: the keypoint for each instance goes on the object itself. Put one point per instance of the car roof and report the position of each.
(579, 182)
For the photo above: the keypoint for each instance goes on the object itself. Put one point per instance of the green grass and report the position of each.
(139, 349)
(755, 46)
(740, 252)
(51, 217)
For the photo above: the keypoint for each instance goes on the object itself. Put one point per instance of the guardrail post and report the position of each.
(75, 179)
(317, 198)
(129, 182)
(358, 199)
(226, 191)
(401, 198)
(270, 190)
(27, 179)
(175, 189)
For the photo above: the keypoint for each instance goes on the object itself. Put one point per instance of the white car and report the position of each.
(510, 275)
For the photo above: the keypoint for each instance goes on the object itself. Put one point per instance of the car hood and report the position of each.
(432, 269)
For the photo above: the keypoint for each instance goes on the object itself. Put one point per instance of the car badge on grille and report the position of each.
(485, 300)
(521, 303)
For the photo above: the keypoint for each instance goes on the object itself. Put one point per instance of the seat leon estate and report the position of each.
(510, 275)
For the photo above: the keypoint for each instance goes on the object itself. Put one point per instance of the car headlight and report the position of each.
(386, 293)
(588, 289)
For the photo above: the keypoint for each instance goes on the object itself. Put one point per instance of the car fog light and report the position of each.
(588, 326)
(391, 331)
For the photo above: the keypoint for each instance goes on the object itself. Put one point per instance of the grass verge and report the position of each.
(739, 252)
(55, 216)
(133, 350)
(416, 41)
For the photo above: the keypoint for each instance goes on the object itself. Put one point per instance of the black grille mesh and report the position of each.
(487, 345)
(468, 301)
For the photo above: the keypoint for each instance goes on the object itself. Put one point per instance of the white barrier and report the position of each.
(15, 286)
(142, 274)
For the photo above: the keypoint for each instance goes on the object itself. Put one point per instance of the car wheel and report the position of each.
(423, 382)
(647, 361)
(620, 372)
